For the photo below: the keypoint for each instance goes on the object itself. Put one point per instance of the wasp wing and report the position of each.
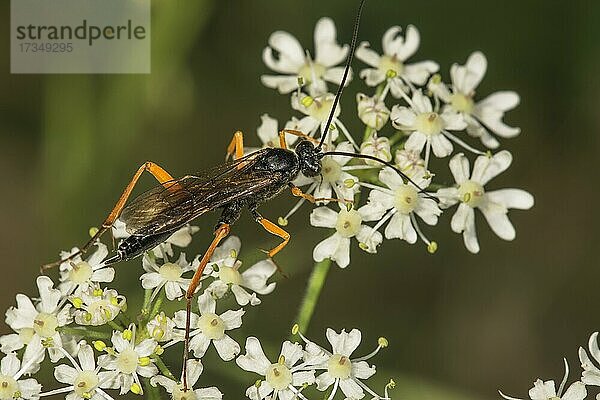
(172, 204)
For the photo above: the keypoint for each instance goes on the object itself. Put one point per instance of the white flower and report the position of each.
(316, 110)
(167, 275)
(340, 370)
(268, 131)
(36, 324)
(484, 115)
(209, 327)
(591, 373)
(162, 328)
(294, 62)
(175, 389)
(400, 202)
(282, 378)
(377, 147)
(471, 194)
(547, 390)
(127, 361)
(372, 111)
(347, 224)
(224, 267)
(96, 306)
(78, 274)
(84, 378)
(392, 64)
(334, 180)
(11, 386)
(428, 129)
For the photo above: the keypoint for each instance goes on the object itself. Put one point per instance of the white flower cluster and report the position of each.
(590, 376)
(422, 116)
(105, 346)
(299, 367)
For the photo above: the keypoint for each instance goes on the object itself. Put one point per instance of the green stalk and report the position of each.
(163, 368)
(313, 291)
(151, 392)
(87, 333)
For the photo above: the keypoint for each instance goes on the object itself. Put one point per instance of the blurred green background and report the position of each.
(460, 326)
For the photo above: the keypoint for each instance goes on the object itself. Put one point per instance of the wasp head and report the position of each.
(309, 157)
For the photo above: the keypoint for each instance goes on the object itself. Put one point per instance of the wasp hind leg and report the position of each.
(236, 146)
(157, 172)
(297, 192)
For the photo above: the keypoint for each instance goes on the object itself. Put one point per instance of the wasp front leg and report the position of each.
(297, 192)
(157, 172)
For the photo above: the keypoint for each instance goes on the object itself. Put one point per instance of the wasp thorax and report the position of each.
(339, 366)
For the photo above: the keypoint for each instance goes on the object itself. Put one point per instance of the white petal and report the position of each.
(511, 198)
(49, 296)
(453, 121)
(401, 227)
(419, 72)
(372, 76)
(497, 218)
(87, 361)
(291, 53)
(199, 344)
(323, 217)
(227, 348)
(342, 252)
(486, 168)
(231, 245)
(502, 101)
(292, 353)
(146, 347)
(464, 221)
(10, 365)
(542, 390)
(459, 166)
(466, 78)
(362, 370)
(242, 297)
(576, 391)
(367, 55)
(416, 141)
(283, 83)
(173, 290)
(301, 378)
(421, 103)
(491, 112)
(232, 319)
(65, 374)
(441, 146)
(211, 393)
(370, 238)
(324, 381)
(206, 304)
(327, 51)
(103, 275)
(256, 277)
(327, 248)
(267, 131)
(150, 280)
(336, 74)
(254, 360)
(344, 343)
(351, 389)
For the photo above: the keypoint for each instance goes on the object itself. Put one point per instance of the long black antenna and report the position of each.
(345, 76)
(386, 163)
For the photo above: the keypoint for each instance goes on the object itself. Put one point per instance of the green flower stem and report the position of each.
(157, 305)
(163, 368)
(151, 392)
(313, 291)
(147, 296)
(115, 326)
(84, 332)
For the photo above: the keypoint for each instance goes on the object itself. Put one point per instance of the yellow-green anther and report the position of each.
(281, 359)
(93, 230)
(136, 389)
(432, 247)
(382, 342)
(86, 395)
(363, 246)
(48, 342)
(349, 206)
(233, 253)
(282, 221)
(127, 334)
(107, 314)
(391, 384)
(17, 395)
(99, 345)
(110, 351)
(489, 154)
(98, 292)
(300, 81)
(466, 197)
(307, 101)
(77, 302)
(144, 361)
(349, 183)
(391, 73)
(295, 329)
(258, 383)
(114, 301)
(159, 350)
(436, 79)
(158, 333)
(87, 317)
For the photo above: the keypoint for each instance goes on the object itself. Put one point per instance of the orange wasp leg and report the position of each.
(221, 232)
(161, 176)
(277, 231)
(296, 191)
(295, 133)
(236, 146)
